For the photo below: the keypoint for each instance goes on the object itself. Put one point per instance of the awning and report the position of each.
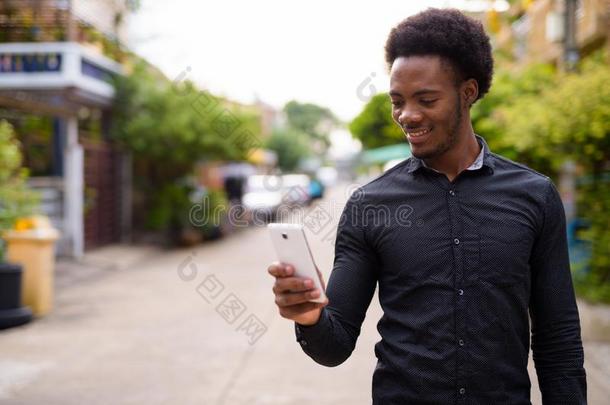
(386, 153)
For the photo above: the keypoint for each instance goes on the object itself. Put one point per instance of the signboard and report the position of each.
(30, 63)
(92, 70)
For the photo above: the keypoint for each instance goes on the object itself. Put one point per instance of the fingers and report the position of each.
(293, 298)
(277, 269)
(293, 294)
(295, 310)
(285, 281)
(292, 284)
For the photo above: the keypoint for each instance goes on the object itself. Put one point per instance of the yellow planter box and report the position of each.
(34, 250)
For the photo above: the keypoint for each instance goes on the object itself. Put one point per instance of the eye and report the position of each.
(396, 103)
(427, 101)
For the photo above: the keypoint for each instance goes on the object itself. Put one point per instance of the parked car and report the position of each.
(328, 175)
(316, 189)
(263, 196)
(295, 190)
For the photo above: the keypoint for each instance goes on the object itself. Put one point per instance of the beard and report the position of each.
(452, 135)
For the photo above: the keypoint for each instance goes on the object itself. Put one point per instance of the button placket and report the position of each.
(460, 306)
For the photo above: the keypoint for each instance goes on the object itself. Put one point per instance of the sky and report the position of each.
(325, 52)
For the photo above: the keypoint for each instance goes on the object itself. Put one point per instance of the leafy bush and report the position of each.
(212, 217)
(543, 118)
(16, 199)
(594, 204)
(179, 207)
(169, 127)
(170, 207)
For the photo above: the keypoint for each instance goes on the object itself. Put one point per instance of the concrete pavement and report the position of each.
(146, 326)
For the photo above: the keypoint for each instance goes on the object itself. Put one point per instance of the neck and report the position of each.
(459, 157)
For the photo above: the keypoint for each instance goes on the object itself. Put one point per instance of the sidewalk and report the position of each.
(122, 258)
(128, 329)
(595, 327)
(97, 263)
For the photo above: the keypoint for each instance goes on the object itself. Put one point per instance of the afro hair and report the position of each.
(450, 34)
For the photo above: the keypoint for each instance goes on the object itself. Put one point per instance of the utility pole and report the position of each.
(71, 23)
(567, 182)
(570, 50)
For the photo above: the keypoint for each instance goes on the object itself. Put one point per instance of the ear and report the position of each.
(469, 91)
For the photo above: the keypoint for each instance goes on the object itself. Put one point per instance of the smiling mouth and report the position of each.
(418, 133)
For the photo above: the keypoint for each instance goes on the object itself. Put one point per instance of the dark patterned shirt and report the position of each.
(464, 269)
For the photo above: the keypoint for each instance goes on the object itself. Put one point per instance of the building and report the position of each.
(57, 62)
(534, 30)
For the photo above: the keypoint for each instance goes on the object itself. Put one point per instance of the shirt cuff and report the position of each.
(309, 334)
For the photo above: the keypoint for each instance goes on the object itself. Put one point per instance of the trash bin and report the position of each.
(33, 247)
(12, 313)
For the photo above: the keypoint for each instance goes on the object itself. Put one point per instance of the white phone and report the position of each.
(292, 248)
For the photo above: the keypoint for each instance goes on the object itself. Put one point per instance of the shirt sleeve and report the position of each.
(350, 288)
(556, 341)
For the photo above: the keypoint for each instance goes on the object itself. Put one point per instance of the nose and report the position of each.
(410, 117)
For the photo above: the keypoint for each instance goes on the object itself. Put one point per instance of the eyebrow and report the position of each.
(417, 93)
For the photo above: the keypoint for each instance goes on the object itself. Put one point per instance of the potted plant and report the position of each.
(16, 201)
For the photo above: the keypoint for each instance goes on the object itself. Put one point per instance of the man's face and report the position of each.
(426, 104)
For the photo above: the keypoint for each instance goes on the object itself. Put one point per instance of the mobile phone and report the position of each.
(292, 248)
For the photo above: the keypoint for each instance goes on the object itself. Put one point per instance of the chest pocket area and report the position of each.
(504, 254)
(413, 259)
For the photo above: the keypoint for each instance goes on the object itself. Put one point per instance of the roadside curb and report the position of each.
(101, 261)
(594, 321)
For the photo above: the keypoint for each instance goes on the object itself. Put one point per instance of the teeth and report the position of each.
(419, 133)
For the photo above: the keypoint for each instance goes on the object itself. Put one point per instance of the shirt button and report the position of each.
(461, 342)
(451, 192)
(460, 292)
(462, 390)
(303, 343)
(456, 241)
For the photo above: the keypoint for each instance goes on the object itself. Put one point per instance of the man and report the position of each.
(474, 244)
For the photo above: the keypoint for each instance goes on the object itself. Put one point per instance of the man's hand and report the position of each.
(292, 295)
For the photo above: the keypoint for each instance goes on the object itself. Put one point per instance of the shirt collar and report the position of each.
(484, 158)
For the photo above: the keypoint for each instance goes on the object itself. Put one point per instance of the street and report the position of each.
(149, 328)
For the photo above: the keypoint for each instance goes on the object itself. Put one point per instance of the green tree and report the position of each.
(374, 126)
(312, 120)
(157, 120)
(580, 124)
(290, 145)
(512, 107)
(580, 130)
(169, 127)
(543, 118)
